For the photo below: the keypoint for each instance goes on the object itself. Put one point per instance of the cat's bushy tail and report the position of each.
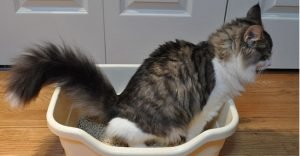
(77, 75)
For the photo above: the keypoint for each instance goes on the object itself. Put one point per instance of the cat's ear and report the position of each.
(254, 14)
(253, 33)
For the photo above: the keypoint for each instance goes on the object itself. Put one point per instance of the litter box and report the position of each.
(62, 120)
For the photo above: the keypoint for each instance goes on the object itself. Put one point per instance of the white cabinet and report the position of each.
(127, 31)
(134, 28)
(27, 22)
(280, 19)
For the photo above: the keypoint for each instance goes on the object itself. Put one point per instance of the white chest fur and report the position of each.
(229, 83)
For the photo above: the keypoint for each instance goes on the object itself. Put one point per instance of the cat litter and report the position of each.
(93, 128)
(97, 130)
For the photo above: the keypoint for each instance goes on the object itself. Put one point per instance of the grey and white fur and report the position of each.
(179, 84)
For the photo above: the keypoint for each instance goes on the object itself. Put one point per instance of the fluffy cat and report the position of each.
(178, 84)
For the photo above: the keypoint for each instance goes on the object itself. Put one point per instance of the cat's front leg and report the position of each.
(196, 126)
(209, 111)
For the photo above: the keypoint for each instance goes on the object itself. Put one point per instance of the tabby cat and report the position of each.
(179, 84)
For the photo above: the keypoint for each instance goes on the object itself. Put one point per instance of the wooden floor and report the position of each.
(269, 121)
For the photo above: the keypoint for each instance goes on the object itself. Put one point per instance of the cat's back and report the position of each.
(163, 71)
(169, 58)
(172, 51)
(174, 63)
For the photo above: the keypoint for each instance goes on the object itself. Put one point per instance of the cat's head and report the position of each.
(244, 43)
(256, 44)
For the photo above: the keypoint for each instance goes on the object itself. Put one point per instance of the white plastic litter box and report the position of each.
(63, 119)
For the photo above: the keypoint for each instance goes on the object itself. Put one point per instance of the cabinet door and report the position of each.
(280, 18)
(134, 28)
(27, 22)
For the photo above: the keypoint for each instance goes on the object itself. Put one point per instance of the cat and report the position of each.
(179, 84)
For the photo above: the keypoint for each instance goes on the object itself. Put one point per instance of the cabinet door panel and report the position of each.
(134, 28)
(26, 22)
(280, 19)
